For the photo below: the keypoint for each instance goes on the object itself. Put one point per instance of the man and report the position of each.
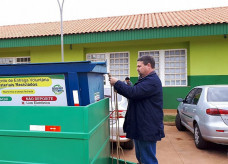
(144, 117)
(128, 82)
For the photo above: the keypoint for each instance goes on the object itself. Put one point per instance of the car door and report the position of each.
(194, 107)
(187, 105)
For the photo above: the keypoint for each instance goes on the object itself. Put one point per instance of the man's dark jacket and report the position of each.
(144, 117)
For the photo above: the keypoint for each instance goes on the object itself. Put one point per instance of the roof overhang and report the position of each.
(125, 35)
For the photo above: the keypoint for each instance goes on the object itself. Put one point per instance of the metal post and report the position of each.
(61, 24)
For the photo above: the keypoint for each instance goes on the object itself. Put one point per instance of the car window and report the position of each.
(197, 96)
(189, 97)
(217, 94)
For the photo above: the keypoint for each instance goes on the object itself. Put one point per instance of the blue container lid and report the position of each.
(52, 68)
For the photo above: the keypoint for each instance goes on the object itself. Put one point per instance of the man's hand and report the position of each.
(113, 80)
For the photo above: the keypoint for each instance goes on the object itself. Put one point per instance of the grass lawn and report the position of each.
(169, 118)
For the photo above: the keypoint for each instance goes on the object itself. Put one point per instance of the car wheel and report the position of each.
(199, 141)
(178, 123)
(129, 144)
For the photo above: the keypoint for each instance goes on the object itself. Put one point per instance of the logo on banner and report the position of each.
(57, 89)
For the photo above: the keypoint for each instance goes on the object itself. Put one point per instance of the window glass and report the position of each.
(170, 65)
(118, 63)
(217, 94)
(95, 57)
(23, 60)
(197, 96)
(155, 54)
(190, 96)
(175, 64)
(14, 60)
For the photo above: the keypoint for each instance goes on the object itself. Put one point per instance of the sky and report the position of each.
(39, 11)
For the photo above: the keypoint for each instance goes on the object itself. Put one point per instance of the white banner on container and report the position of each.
(34, 90)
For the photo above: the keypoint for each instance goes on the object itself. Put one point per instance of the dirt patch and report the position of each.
(169, 123)
(172, 112)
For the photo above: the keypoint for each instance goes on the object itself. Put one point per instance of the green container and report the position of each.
(80, 136)
(120, 161)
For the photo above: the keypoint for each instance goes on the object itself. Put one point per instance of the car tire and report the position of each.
(178, 123)
(199, 141)
(129, 144)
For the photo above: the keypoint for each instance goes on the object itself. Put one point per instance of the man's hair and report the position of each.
(146, 60)
(127, 78)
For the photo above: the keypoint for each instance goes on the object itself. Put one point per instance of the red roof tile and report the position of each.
(129, 22)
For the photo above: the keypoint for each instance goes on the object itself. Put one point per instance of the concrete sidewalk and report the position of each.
(179, 148)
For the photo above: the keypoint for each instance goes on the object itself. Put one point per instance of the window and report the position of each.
(217, 94)
(170, 65)
(193, 96)
(22, 60)
(95, 57)
(190, 96)
(117, 63)
(156, 55)
(14, 60)
(197, 96)
(6, 61)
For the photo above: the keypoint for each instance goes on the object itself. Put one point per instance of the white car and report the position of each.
(204, 111)
(122, 109)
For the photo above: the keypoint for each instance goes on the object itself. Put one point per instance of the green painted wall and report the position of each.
(170, 94)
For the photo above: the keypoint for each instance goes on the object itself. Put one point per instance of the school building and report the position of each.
(190, 47)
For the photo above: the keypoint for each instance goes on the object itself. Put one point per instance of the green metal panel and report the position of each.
(114, 161)
(152, 33)
(83, 139)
